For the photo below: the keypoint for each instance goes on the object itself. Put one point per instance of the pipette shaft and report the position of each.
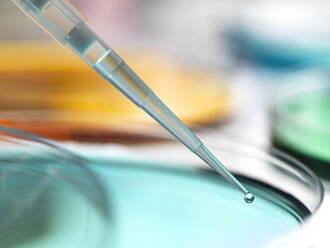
(67, 26)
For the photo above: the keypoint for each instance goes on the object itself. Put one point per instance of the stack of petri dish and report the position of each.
(142, 197)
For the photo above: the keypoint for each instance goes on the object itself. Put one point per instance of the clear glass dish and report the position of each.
(162, 194)
(48, 196)
(159, 193)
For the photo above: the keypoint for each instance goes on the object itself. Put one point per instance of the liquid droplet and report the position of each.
(249, 198)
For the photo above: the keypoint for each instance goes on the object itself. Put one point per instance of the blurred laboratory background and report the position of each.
(256, 72)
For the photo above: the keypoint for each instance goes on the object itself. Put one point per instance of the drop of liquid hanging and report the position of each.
(248, 198)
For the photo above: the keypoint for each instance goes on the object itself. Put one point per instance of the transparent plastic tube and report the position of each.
(68, 27)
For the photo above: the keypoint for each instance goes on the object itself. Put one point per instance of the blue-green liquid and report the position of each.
(155, 205)
(151, 205)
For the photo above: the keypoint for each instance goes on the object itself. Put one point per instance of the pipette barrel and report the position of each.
(64, 23)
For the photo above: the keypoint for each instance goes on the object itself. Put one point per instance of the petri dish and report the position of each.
(163, 196)
(47, 90)
(301, 118)
(48, 196)
(292, 33)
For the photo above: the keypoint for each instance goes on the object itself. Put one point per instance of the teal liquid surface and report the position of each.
(152, 204)
(156, 205)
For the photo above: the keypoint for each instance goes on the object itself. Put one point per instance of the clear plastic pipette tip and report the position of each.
(212, 161)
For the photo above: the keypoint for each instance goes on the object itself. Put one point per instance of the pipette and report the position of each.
(66, 25)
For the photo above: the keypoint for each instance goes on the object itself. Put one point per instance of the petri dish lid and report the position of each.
(48, 197)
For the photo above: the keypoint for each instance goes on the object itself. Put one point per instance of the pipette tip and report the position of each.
(248, 197)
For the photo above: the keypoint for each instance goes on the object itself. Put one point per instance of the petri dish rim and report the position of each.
(267, 157)
(268, 154)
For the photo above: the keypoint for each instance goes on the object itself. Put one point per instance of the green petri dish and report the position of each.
(301, 119)
(48, 197)
(162, 196)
